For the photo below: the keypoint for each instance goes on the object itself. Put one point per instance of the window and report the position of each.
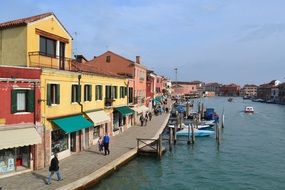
(108, 92)
(87, 92)
(59, 141)
(47, 46)
(108, 59)
(22, 101)
(130, 95)
(75, 93)
(122, 92)
(96, 131)
(98, 93)
(53, 94)
(114, 92)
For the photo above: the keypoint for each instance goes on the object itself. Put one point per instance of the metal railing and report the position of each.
(38, 59)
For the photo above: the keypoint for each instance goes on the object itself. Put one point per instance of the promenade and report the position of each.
(89, 164)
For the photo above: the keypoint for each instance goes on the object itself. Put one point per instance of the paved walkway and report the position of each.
(86, 162)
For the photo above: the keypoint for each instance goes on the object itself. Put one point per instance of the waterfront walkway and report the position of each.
(83, 166)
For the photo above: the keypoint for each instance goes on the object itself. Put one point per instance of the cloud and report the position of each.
(258, 32)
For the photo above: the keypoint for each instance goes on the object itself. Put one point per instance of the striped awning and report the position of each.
(11, 138)
(99, 117)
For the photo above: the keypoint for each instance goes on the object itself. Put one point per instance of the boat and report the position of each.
(197, 133)
(246, 97)
(230, 99)
(209, 122)
(248, 109)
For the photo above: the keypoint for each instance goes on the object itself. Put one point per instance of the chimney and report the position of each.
(138, 59)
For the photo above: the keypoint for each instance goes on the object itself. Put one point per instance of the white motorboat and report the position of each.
(197, 133)
(248, 109)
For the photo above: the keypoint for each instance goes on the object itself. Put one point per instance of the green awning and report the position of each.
(158, 98)
(156, 101)
(125, 110)
(72, 123)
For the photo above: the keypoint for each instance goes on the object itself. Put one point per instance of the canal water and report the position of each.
(251, 155)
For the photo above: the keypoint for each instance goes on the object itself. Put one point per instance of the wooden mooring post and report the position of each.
(175, 136)
(159, 146)
(192, 134)
(188, 141)
(217, 130)
(223, 120)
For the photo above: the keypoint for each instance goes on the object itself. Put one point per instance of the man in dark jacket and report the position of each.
(54, 168)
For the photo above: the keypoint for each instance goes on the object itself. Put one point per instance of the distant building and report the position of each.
(184, 88)
(281, 93)
(249, 90)
(269, 91)
(230, 90)
(213, 87)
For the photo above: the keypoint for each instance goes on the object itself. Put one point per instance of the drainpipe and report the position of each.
(81, 139)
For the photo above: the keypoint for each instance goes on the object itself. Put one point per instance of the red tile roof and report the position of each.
(92, 69)
(24, 21)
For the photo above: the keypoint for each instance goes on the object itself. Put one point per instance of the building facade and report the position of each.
(112, 62)
(21, 132)
(230, 90)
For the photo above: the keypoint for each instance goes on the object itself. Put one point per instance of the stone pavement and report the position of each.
(86, 162)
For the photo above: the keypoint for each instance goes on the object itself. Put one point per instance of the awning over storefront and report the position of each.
(140, 109)
(72, 123)
(125, 110)
(98, 117)
(19, 137)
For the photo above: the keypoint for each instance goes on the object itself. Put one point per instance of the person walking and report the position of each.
(142, 119)
(54, 168)
(149, 115)
(100, 144)
(106, 141)
(146, 118)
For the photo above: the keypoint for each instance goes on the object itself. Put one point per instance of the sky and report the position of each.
(225, 41)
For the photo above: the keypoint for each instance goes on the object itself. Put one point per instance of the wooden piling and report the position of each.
(160, 146)
(216, 131)
(170, 135)
(188, 142)
(193, 135)
(202, 113)
(175, 136)
(223, 119)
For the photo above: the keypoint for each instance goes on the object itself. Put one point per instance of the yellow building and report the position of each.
(37, 41)
(76, 110)
(76, 106)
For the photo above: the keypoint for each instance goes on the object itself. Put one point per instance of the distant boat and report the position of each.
(270, 101)
(230, 99)
(248, 109)
(246, 97)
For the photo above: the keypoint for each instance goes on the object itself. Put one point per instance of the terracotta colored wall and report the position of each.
(5, 95)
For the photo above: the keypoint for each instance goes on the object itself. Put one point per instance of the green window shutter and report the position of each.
(126, 91)
(78, 93)
(116, 93)
(72, 93)
(57, 94)
(48, 94)
(13, 101)
(89, 93)
(31, 101)
(100, 92)
(96, 92)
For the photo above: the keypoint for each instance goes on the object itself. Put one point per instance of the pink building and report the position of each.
(112, 62)
(182, 88)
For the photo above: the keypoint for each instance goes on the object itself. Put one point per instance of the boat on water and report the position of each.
(209, 122)
(246, 97)
(248, 109)
(197, 133)
(230, 99)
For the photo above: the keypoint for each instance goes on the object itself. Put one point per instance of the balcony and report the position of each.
(109, 102)
(37, 59)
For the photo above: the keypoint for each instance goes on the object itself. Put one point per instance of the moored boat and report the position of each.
(197, 133)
